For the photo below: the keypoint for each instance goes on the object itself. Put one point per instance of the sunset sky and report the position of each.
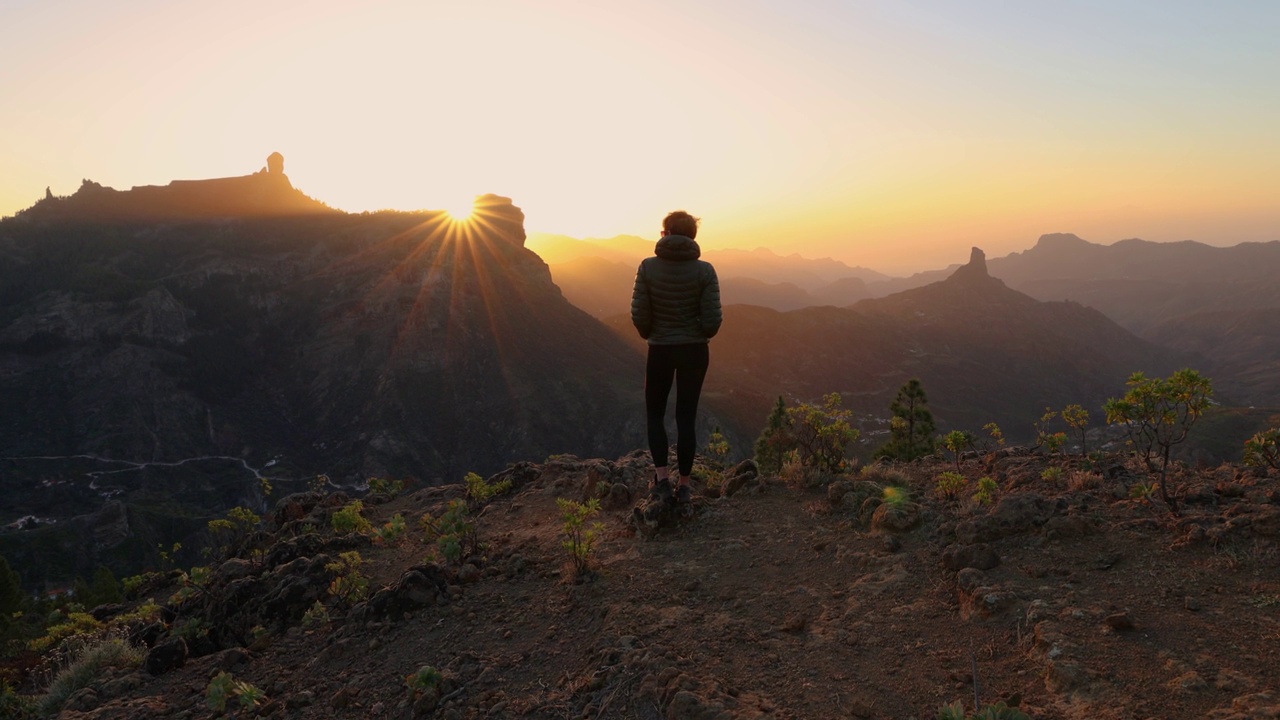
(890, 134)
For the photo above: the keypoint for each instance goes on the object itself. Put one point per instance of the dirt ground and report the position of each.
(1064, 595)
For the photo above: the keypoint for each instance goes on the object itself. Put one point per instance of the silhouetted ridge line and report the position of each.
(266, 193)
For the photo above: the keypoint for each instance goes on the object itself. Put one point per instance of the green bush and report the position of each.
(454, 532)
(424, 679)
(957, 441)
(479, 491)
(224, 688)
(950, 485)
(385, 486)
(818, 435)
(349, 519)
(391, 532)
(987, 489)
(349, 586)
(76, 623)
(580, 537)
(1263, 449)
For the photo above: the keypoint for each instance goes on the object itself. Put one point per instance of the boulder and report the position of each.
(170, 654)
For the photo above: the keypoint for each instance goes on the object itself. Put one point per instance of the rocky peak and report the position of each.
(975, 271)
(499, 216)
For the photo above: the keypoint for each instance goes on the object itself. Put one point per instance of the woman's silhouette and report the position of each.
(675, 305)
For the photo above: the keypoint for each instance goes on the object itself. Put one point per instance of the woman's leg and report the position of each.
(690, 373)
(658, 375)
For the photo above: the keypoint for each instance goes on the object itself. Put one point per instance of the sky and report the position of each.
(890, 134)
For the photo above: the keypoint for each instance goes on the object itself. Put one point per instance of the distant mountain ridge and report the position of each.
(985, 352)
(1217, 303)
(266, 193)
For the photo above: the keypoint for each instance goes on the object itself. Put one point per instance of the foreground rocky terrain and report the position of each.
(811, 598)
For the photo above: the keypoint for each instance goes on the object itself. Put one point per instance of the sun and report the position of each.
(461, 209)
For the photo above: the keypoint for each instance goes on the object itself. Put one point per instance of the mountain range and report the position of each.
(1216, 304)
(168, 352)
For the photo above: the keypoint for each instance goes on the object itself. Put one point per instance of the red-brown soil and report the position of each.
(784, 602)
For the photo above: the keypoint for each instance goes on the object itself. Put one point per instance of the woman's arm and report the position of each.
(641, 308)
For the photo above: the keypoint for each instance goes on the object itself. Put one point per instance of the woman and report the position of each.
(675, 305)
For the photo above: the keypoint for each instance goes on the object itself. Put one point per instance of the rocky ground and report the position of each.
(1065, 595)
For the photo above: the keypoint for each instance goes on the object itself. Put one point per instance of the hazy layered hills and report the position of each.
(596, 275)
(985, 353)
(1218, 304)
(1221, 303)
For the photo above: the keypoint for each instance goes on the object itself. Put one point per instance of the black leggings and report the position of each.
(687, 364)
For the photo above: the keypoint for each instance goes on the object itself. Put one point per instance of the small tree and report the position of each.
(1263, 449)
(1078, 419)
(1157, 414)
(774, 441)
(957, 441)
(718, 449)
(911, 428)
(580, 537)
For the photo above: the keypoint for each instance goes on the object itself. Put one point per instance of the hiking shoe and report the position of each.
(660, 491)
(684, 495)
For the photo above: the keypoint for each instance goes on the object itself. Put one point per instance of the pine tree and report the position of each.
(772, 443)
(911, 428)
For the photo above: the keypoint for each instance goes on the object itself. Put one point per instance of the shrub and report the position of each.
(234, 531)
(384, 486)
(480, 491)
(424, 679)
(1052, 474)
(957, 441)
(316, 615)
(822, 434)
(717, 449)
(1157, 414)
(454, 532)
(349, 519)
(794, 472)
(580, 538)
(349, 586)
(1077, 418)
(987, 489)
(391, 532)
(75, 624)
(86, 668)
(1263, 449)
(192, 584)
(223, 688)
(883, 475)
(950, 485)
(996, 435)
